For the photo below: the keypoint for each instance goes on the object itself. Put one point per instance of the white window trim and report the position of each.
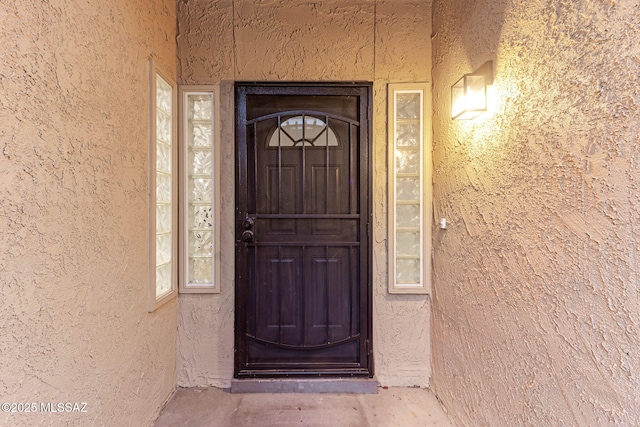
(424, 286)
(154, 301)
(184, 285)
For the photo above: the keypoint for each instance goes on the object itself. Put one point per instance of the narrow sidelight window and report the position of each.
(199, 163)
(163, 206)
(409, 189)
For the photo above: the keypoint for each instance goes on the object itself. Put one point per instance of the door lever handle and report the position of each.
(247, 236)
(248, 223)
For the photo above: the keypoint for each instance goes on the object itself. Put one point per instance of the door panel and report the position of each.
(303, 294)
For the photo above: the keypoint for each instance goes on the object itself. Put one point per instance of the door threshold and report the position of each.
(305, 385)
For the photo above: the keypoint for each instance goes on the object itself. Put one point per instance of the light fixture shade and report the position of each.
(469, 94)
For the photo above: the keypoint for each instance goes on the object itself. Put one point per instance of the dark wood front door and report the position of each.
(303, 292)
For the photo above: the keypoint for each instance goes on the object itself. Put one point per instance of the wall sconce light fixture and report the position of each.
(469, 94)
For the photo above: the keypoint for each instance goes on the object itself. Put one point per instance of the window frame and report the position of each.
(156, 301)
(184, 285)
(425, 193)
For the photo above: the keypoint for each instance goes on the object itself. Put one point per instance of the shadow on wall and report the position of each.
(468, 20)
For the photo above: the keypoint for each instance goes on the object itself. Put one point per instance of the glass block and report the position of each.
(408, 271)
(163, 94)
(163, 157)
(408, 106)
(408, 216)
(163, 187)
(163, 248)
(407, 161)
(200, 243)
(200, 107)
(200, 270)
(201, 217)
(199, 135)
(408, 134)
(201, 162)
(163, 127)
(163, 279)
(408, 189)
(163, 218)
(408, 243)
(201, 190)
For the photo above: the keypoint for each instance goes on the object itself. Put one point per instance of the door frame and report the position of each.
(241, 187)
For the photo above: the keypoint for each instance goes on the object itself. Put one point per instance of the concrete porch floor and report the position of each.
(402, 407)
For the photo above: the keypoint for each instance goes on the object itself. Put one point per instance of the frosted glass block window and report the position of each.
(409, 192)
(163, 214)
(200, 169)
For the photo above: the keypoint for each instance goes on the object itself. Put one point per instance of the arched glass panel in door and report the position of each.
(303, 130)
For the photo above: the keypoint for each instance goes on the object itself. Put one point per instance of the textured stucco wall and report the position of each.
(287, 40)
(536, 297)
(74, 138)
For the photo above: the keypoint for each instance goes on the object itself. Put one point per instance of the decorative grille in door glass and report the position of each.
(314, 133)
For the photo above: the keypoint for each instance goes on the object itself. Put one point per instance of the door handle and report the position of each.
(247, 235)
(248, 223)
